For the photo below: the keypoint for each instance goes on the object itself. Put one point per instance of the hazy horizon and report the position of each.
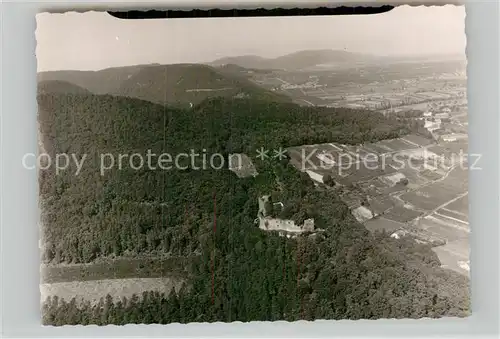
(96, 40)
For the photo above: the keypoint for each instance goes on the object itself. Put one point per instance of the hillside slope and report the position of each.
(186, 84)
(183, 85)
(104, 81)
(346, 273)
(61, 87)
(245, 61)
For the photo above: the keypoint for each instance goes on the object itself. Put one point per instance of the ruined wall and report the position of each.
(273, 224)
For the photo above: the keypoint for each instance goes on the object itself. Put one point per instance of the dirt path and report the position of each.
(308, 102)
(445, 204)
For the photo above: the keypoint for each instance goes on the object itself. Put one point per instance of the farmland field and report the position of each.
(94, 290)
(440, 192)
(432, 201)
(439, 228)
(116, 269)
(401, 214)
(445, 211)
(453, 254)
(379, 224)
(460, 205)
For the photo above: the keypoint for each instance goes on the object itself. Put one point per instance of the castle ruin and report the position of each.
(267, 223)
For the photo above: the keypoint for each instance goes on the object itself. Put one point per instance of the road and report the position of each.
(308, 102)
(444, 205)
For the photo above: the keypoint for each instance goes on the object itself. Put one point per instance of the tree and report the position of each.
(328, 180)
(404, 181)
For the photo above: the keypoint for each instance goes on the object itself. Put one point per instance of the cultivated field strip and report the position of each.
(432, 205)
(122, 268)
(94, 290)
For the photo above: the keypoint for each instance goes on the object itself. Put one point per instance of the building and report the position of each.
(398, 234)
(316, 176)
(362, 214)
(431, 126)
(268, 223)
(443, 115)
(308, 225)
(264, 202)
(393, 179)
(282, 225)
(448, 138)
(242, 165)
(453, 137)
(464, 265)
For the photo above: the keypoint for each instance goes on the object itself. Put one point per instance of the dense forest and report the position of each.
(241, 273)
(180, 85)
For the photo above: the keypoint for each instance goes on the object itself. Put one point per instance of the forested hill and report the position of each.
(59, 86)
(242, 273)
(104, 81)
(219, 124)
(296, 60)
(248, 124)
(186, 84)
(181, 85)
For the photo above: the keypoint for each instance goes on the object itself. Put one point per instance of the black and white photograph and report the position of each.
(199, 170)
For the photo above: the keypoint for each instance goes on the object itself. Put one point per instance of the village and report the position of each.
(410, 186)
(416, 185)
(407, 186)
(400, 86)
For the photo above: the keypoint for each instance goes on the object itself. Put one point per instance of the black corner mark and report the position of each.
(259, 12)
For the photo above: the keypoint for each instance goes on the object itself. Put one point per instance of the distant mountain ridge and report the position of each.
(245, 61)
(309, 59)
(296, 60)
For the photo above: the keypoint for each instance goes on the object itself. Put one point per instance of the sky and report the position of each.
(96, 40)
